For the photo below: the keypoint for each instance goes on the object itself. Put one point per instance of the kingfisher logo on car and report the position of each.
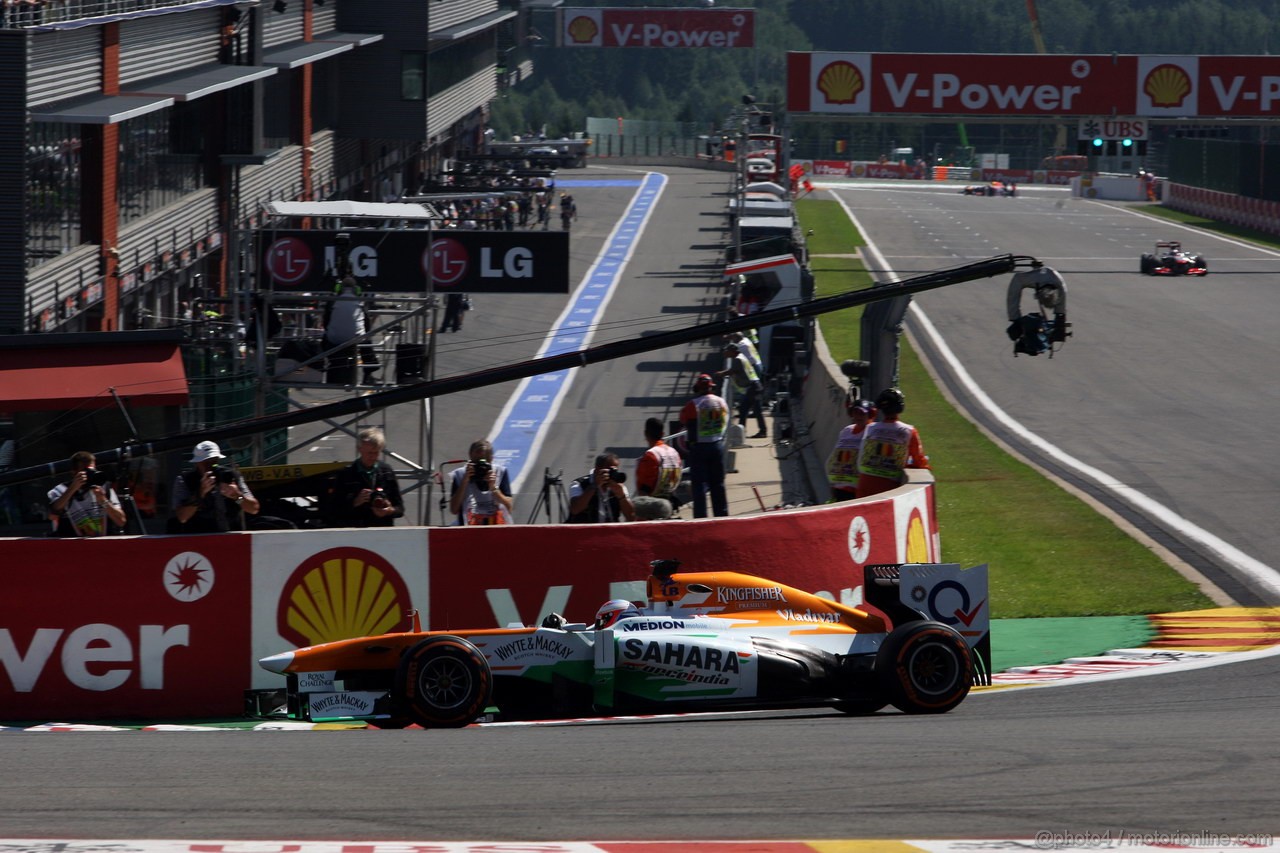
(735, 594)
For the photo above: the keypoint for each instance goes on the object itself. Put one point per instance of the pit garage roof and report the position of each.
(36, 378)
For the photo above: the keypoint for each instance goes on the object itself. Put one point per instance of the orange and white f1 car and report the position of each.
(703, 641)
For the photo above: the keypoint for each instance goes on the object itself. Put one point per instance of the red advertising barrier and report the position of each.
(124, 627)
(831, 168)
(1034, 84)
(603, 27)
(1226, 207)
(572, 569)
(171, 627)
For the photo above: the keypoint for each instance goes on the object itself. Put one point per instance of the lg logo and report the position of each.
(363, 259)
(447, 262)
(288, 260)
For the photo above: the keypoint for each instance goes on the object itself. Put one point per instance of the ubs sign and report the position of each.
(418, 261)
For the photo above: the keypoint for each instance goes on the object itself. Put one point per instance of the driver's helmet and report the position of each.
(613, 610)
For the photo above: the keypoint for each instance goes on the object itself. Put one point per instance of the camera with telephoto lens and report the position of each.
(617, 476)
(223, 475)
(480, 475)
(94, 477)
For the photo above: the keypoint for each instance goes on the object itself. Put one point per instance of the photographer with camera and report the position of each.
(366, 492)
(481, 492)
(211, 497)
(86, 505)
(601, 496)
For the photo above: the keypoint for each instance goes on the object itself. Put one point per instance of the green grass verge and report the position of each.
(1050, 553)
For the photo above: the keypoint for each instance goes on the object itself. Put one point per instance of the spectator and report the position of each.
(366, 492)
(746, 387)
(345, 327)
(649, 508)
(86, 505)
(543, 204)
(481, 492)
(601, 496)
(211, 497)
(888, 448)
(747, 348)
(568, 210)
(705, 419)
(455, 305)
(842, 464)
(659, 470)
(752, 335)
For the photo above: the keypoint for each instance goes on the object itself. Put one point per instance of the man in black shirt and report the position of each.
(365, 493)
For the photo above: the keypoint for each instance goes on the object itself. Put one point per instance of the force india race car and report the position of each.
(1170, 259)
(705, 641)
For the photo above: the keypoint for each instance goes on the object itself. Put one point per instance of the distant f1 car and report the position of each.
(991, 188)
(1170, 259)
(705, 640)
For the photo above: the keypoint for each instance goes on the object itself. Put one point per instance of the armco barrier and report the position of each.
(172, 626)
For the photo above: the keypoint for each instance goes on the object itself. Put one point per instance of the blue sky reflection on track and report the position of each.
(519, 430)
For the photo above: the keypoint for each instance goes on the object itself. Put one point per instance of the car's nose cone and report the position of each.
(276, 663)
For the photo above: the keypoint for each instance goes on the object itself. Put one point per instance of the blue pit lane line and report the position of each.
(519, 430)
(599, 182)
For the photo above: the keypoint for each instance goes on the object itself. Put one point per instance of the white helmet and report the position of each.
(613, 610)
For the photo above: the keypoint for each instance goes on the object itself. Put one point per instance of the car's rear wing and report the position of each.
(941, 592)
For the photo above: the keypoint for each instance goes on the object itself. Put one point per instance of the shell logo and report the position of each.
(841, 82)
(917, 539)
(342, 593)
(1167, 86)
(582, 29)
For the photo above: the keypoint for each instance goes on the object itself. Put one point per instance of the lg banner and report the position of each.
(418, 261)
(600, 27)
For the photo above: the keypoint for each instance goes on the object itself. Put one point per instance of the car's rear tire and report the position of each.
(1147, 264)
(925, 667)
(443, 682)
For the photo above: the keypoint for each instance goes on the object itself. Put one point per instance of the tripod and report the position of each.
(552, 494)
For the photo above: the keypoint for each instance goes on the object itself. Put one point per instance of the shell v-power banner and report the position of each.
(1169, 87)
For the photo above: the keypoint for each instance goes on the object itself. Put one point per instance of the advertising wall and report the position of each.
(171, 627)
(1034, 84)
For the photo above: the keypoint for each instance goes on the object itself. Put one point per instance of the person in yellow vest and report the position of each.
(842, 463)
(746, 387)
(889, 447)
(705, 419)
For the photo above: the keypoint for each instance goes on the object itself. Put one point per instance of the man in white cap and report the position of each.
(211, 497)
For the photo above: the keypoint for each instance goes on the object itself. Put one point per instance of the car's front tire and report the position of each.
(443, 682)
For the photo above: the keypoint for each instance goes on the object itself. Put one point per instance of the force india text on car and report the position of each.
(1170, 258)
(705, 641)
